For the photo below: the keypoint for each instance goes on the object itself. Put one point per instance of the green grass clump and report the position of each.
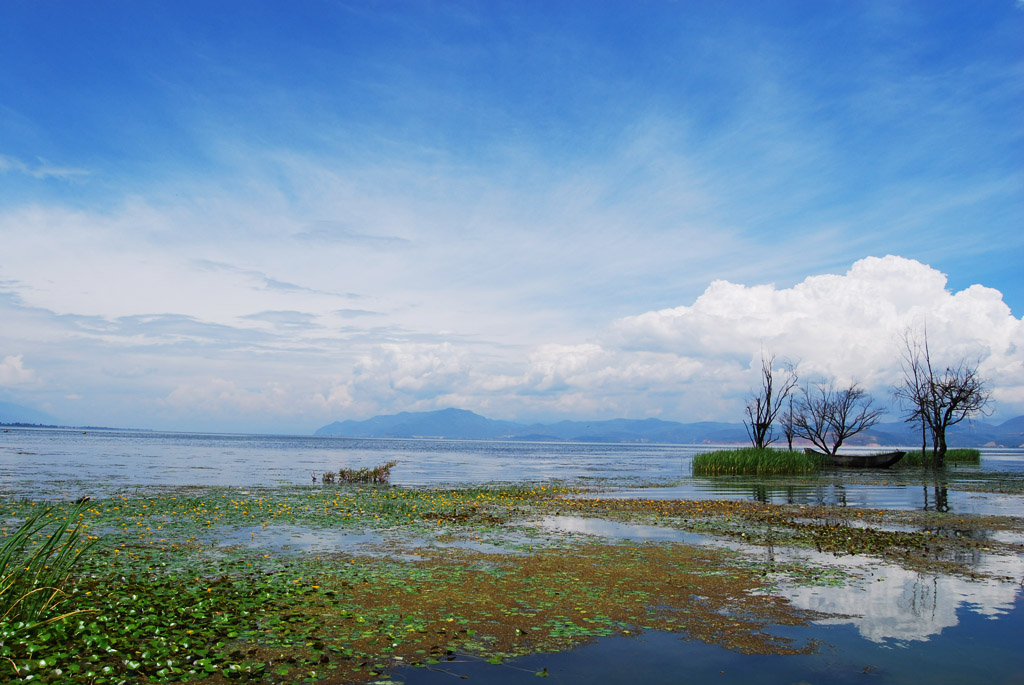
(960, 455)
(34, 567)
(754, 462)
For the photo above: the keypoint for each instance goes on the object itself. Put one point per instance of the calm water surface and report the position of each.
(33, 461)
(52, 462)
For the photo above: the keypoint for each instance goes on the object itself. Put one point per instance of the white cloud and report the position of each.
(294, 367)
(847, 326)
(42, 169)
(414, 370)
(223, 400)
(13, 371)
(593, 368)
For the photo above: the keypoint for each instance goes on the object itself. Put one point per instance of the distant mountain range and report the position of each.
(15, 413)
(459, 424)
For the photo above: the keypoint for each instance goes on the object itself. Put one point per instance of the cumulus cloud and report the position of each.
(845, 326)
(13, 371)
(598, 369)
(416, 370)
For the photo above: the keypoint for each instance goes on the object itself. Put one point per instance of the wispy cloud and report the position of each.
(331, 232)
(261, 280)
(41, 169)
(356, 313)
(285, 319)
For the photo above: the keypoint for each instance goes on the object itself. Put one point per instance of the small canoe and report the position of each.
(882, 460)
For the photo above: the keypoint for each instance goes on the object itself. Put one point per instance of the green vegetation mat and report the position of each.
(202, 583)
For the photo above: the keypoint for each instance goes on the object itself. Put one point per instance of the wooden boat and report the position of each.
(881, 460)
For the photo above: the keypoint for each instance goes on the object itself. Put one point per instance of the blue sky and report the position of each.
(268, 216)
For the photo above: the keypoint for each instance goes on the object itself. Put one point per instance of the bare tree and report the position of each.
(912, 393)
(828, 417)
(764, 404)
(788, 427)
(938, 399)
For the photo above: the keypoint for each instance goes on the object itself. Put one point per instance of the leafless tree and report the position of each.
(912, 393)
(764, 404)
(938, 399)
(788, 428)
(828, 417)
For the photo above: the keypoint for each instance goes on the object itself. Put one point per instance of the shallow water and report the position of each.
(621, 531)
(888, 625)
(884, 601)
(299, 539)
(974, 650)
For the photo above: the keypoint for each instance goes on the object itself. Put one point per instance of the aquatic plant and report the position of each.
(378, 474)
(34, 568)
(170, 603)
(961, 455)
(754, 461)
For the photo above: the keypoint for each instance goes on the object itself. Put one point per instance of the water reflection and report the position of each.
(885, 602)
(940, 500)
(621, 531)
(283, 538)
(927, 497)
(889, 603)
(301, 539)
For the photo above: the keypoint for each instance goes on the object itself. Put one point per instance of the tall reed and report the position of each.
(33, 574)
(754, 461)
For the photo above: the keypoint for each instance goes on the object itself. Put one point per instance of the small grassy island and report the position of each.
(768, 461)
(960, 455)
(755, 461)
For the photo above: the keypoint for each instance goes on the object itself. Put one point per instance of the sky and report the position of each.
(263, 217)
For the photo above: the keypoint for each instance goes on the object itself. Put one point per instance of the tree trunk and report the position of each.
(940, 449)
(924, 443)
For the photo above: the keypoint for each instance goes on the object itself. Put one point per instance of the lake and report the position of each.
(57, 463)
(890, 625)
